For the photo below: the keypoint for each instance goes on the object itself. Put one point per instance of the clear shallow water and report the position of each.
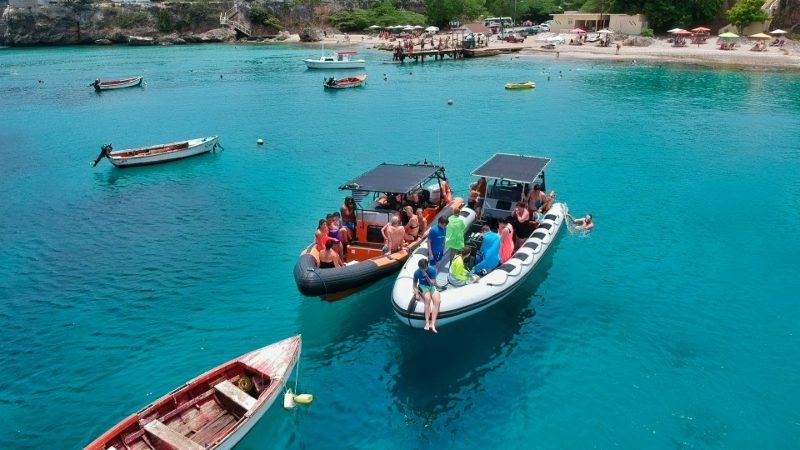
(673, 325)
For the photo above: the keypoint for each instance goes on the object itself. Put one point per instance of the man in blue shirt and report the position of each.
(490, 250)
(436, 237)
(425, 286)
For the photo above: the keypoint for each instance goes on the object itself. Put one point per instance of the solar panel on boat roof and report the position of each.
(512, 167)
(392, 178)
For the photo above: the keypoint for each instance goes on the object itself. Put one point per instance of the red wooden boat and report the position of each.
(116, 84)
(344, 83)
(212, 411)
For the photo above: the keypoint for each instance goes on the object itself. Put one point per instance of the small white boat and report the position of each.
(157, 153)
(116, 84)
(507, 181)
(339, 60)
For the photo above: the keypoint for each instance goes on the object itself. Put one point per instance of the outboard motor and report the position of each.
(104, 151)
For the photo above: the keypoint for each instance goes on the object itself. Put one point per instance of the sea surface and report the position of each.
(674, 324)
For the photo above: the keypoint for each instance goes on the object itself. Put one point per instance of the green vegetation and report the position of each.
(647, 32)
(131, 20)
(382, 13)
(164, 21)
(259, 15)
(745, 12)
(441, 12)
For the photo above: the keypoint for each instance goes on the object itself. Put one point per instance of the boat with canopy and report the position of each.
(508, 178)
(377, 196)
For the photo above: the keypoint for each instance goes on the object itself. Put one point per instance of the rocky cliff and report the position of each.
(170, 23)
(787, 16)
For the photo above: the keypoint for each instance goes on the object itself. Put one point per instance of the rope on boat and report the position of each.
(316, 272)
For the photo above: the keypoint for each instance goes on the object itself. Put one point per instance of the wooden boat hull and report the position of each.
(526, 85)
(163, 421)
(155, 155)
(461, 302)
(317, 64)
(335, 283)
(346, 83)
(118, 84)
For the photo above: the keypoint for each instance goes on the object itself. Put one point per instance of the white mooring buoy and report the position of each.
(260, 141)
(450, 102)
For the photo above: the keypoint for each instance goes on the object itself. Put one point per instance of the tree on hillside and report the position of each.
(745, 12)
(441, 12)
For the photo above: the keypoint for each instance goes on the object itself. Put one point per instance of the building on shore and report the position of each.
(618, 23)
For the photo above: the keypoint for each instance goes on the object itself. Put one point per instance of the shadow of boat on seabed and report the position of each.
(436, 369)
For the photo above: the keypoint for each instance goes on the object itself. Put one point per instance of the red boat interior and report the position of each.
(195, 416)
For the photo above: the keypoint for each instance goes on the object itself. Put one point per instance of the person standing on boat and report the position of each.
(454, 240)
(436, 240)
(423, 222)
(412, 226)
(490, 251)
(348, 210)
(506, 231)
(425, 287)
(519, 220)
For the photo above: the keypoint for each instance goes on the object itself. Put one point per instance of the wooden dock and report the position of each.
(436, 54)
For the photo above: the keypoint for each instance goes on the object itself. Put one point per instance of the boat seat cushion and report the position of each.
(511, 269)
(235, 394)
(539, 234)
(545, 225)
(550, 217)
(535, 247)
(174, 439)
(523, 256)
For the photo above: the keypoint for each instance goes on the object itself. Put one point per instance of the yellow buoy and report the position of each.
(304, 399)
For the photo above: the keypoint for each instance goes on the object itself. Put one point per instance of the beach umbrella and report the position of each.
(729, 35)
(777, 32)
(432, 29)
(374, 27)
(418, 27)
(679, 31)
(604, 31)
(701, 30)
(673, 30)
(682, 33)
(760, 36)
(578, 30)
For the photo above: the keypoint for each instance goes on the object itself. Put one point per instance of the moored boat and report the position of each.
(507, 176)
(344, 83)
(212, 411)
(158, 153)
(377, 195)
(100, 85)
(339, 60)
(525, 85)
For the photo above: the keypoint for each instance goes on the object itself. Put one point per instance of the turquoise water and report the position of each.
(672, 325)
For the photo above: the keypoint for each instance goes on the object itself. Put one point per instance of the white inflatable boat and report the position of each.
(464, 301)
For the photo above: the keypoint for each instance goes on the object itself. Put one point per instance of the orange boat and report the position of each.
(377, 195)
(212, 411)
(344, 83)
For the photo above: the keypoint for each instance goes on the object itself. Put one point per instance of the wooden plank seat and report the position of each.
(235, 394)
(170, 436)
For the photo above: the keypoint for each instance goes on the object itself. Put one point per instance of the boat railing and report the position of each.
(227, 18)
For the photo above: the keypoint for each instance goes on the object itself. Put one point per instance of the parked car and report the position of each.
(544, 27)
(514, 38)
(530, 31)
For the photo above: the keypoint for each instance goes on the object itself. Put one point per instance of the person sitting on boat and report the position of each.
(328, 258)
(337, 231)
(585, 223)
(425, 287)
(436, 240)
(412, 226)
(472, 199)
(454, 240)
(459, 275)
(394, 235)
(489, 254)
(506, 232)
(348, 214)
(321, 236)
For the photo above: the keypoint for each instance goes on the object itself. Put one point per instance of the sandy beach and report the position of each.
(659, 50)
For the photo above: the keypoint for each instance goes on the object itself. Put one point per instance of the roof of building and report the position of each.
(396, 178)
(519, 168)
